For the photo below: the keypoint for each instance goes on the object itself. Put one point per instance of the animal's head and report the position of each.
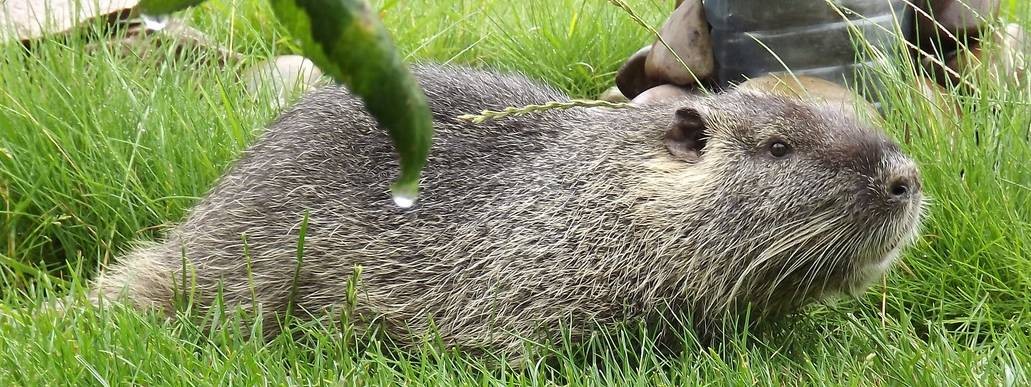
(790, 200)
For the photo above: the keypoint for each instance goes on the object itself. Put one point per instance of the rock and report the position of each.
(613, 95)
(687, 33)
(1002, 56)
(187, 38)
(799, 86)
(26, 20)
(187, 44)
(285, 76)
(812, 88)
(630, 79)
(663, 94)
(959, 18)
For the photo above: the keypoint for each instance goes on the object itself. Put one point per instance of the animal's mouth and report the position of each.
(898, 234)
(881, 265)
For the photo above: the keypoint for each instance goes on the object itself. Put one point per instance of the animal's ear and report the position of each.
(685, 138)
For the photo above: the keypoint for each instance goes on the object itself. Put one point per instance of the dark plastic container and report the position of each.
(808, 37)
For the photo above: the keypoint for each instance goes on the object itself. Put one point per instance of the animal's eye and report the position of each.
(779, 148)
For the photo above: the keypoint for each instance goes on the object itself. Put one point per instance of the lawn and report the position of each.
(98, 150)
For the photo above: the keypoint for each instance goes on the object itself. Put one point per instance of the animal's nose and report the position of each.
(904, 183)
(899, 188)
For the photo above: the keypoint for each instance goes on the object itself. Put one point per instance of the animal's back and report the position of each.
(486, 188)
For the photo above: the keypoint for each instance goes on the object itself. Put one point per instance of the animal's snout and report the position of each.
(900, 187)
(902, 181)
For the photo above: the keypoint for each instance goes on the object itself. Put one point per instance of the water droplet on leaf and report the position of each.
(404, 201)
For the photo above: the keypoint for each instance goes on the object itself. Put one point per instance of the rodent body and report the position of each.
(578, 218)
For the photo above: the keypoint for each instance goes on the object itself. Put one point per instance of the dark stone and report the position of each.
(631, 79)
(942, 24)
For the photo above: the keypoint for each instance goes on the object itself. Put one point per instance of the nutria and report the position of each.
(581, 218)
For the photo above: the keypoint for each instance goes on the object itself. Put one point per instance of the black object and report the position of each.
(810, 37)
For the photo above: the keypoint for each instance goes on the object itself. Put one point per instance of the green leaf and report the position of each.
(347, 41)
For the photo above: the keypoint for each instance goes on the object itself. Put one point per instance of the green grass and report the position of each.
(99, 150)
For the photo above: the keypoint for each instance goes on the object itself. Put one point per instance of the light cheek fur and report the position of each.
(566, 219)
